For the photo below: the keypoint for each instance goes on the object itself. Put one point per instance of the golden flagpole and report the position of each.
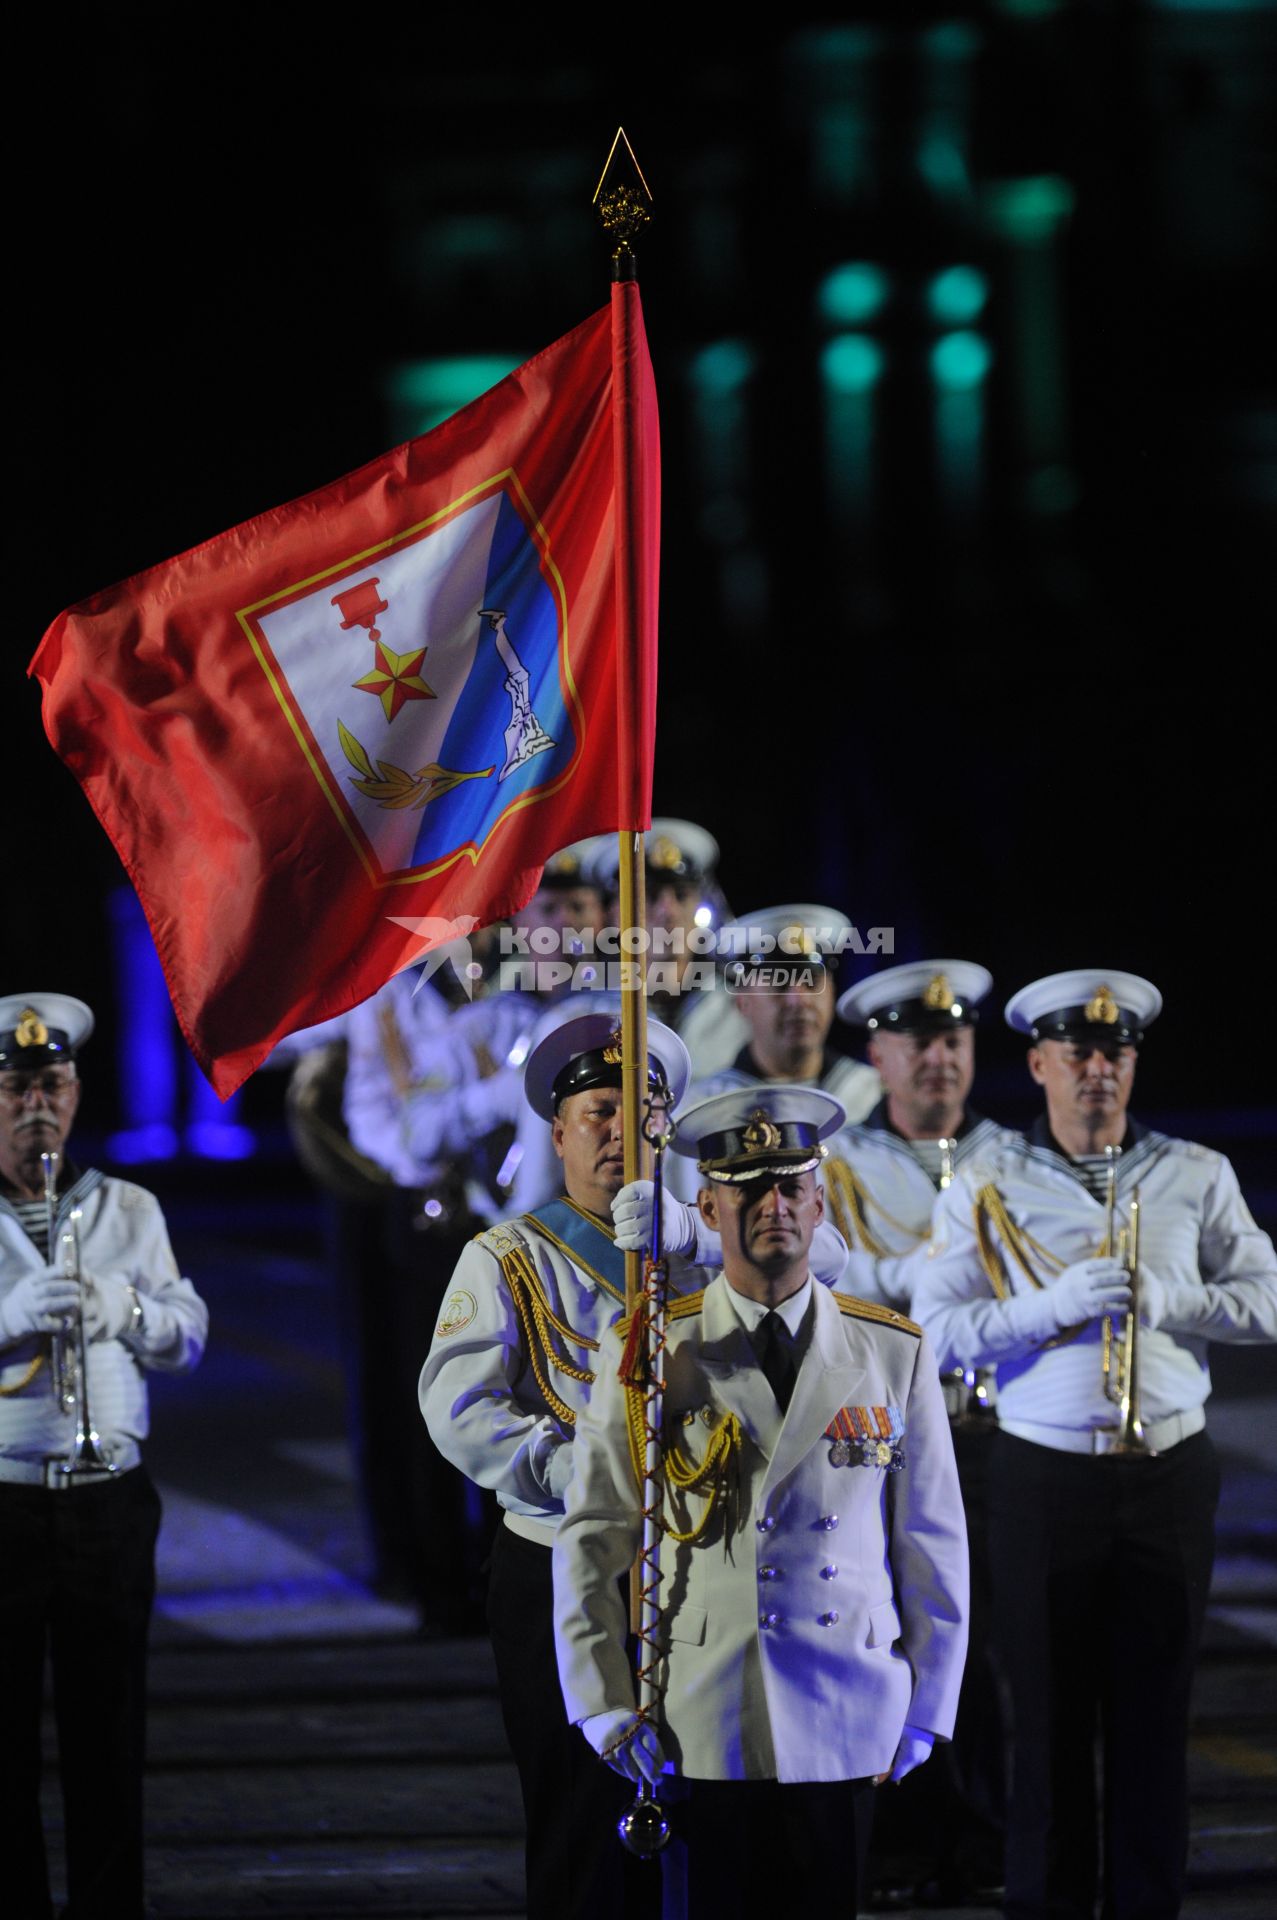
(623, 203)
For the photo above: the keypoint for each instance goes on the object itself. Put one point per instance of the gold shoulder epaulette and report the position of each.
(870, 1310)
(680, 1305)
(502, 1239)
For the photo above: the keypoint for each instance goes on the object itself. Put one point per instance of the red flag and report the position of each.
(390, 700)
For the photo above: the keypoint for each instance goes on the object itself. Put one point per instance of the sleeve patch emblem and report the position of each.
(459, 1309)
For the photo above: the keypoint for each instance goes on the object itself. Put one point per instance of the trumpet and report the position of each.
(61, 1362)
(1120, 1349)
(86, 1455)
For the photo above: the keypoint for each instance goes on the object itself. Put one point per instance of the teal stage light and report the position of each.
(422, 393)
(852, 363)
(957, 296)
(723, 367)
(852, 294)
(960, 361)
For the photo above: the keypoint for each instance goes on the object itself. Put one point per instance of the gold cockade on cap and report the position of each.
(31, 1030)
(612, 1051)
(1102, 1009)
(761, 1135)
(938, 994)
(664, 852)
(797, 939)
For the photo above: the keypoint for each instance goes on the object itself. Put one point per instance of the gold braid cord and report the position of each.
(545, 1332)
(643, 1386)
(991, 1217)
(7, 1393)
(849, 1197)
(712, 1476)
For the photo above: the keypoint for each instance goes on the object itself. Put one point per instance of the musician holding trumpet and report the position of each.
(90, 1297)
(1091, 1262)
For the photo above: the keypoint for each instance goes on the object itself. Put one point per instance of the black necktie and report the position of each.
(774, 1350)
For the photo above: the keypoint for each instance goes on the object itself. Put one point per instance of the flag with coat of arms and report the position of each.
(381, 705)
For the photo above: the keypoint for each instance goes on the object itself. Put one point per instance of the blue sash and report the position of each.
(585, 1240)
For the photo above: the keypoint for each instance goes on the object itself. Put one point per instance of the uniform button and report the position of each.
(766, 1524)
(769, 1619)
(829, 1572)
(828, 1521)
(829, 1619)
(769, 1573)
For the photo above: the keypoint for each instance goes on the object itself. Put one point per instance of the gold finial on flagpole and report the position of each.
(623, 202)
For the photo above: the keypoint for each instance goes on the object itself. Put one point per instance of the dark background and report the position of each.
(1022, 714)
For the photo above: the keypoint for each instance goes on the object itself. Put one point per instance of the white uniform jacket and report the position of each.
(424, 1084)
(503, 1385)
(123, 1238)
(824, 1606)
(1026, 1202)
(881, 1197)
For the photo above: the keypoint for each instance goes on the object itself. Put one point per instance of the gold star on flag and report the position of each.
(396, 679)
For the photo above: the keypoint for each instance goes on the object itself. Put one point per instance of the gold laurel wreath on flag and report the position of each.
(392, 786)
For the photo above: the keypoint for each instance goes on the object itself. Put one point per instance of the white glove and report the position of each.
(632, 1218)
(915, 1747)
(628, 1744)
(108, 1307)
(39, 1303)
(1087, 1290)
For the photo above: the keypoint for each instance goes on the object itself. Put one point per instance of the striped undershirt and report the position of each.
(927, 1154)
(33, 1218)
(1092, 1169)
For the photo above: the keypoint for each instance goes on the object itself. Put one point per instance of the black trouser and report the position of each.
(429, 1526)
(1101, 1568)
(945, 1819)
(577, 1868)
(77, 1576)
(766, 1850)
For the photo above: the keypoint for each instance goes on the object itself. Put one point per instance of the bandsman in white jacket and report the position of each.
(1101, 1554)
(881, 1181)
(814, 1566)
(78, 1513)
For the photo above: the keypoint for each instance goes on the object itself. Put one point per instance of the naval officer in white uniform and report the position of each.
(881, 1180)
(784, 989)
(814, 1569)
(1101, 1558)
(884, 1171)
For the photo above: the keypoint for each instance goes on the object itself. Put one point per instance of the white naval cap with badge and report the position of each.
(921, 996)
(751, 1131)
(1086, 1003)
(676, 850)
(779, 1130)
(573, 866)
(585, 1052)
(41, 1030)
(778, 936)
